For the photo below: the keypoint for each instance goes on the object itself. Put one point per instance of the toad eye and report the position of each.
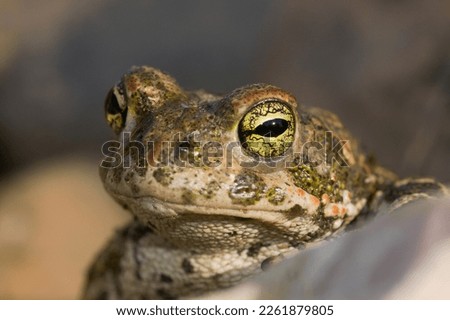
(115, 110)
(267, 129)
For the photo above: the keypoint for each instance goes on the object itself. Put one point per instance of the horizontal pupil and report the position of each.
(272, 127)
(112, 104)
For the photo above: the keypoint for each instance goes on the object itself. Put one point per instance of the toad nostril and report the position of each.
(183, 145)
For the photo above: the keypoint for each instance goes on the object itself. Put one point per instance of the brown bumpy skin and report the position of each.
(222, 186)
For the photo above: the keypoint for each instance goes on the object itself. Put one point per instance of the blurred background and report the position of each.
(382, 66)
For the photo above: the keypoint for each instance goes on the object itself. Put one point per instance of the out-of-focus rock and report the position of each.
(54, 218)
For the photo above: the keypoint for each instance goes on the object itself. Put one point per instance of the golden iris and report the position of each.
(267, 129)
